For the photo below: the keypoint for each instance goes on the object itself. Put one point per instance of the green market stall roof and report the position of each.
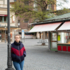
(64, 17)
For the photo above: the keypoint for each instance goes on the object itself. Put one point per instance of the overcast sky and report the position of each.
(66, 5)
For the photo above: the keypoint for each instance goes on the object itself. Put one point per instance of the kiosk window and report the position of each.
(54, 37)
(64, 37)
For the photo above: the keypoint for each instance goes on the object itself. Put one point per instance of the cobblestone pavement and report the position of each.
(38, 57)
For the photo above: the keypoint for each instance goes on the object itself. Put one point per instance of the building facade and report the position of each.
(3, 21)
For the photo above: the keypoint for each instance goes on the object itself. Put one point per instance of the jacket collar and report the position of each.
(17, 43)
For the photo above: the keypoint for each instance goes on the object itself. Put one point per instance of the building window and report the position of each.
(13, 19)
(35, 6)
(2, 2)
(26, 20)
(49, 7)
(0, 18)
(18, 22)
(5, 19)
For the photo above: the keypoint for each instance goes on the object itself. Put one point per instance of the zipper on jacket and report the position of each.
(19, 52)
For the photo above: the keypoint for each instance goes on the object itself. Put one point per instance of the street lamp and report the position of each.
(9, 62)
(5, 33)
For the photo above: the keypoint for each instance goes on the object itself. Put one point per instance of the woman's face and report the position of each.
(17, 38)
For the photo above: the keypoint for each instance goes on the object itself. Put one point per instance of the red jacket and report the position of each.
(18, 51)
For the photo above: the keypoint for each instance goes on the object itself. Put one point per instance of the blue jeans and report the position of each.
(18, 65)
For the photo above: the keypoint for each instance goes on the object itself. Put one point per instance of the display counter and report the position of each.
(63, 47)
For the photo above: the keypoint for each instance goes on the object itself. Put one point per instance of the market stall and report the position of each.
(60, 40)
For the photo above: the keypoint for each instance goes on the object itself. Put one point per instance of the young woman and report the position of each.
(18, 53)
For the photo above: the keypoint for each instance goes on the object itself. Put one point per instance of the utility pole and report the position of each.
(9, 62)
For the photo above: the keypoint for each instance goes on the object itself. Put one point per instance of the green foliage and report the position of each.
(25, 9)
(62, 11)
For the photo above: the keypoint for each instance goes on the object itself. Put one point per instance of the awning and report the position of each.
(45, 27)
(3, 15)
(65, 26)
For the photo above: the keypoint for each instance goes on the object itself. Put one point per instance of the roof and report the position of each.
(60, 18)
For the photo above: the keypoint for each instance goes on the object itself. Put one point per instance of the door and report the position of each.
(54, 41)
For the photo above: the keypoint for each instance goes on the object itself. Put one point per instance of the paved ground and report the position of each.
(38, 57)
